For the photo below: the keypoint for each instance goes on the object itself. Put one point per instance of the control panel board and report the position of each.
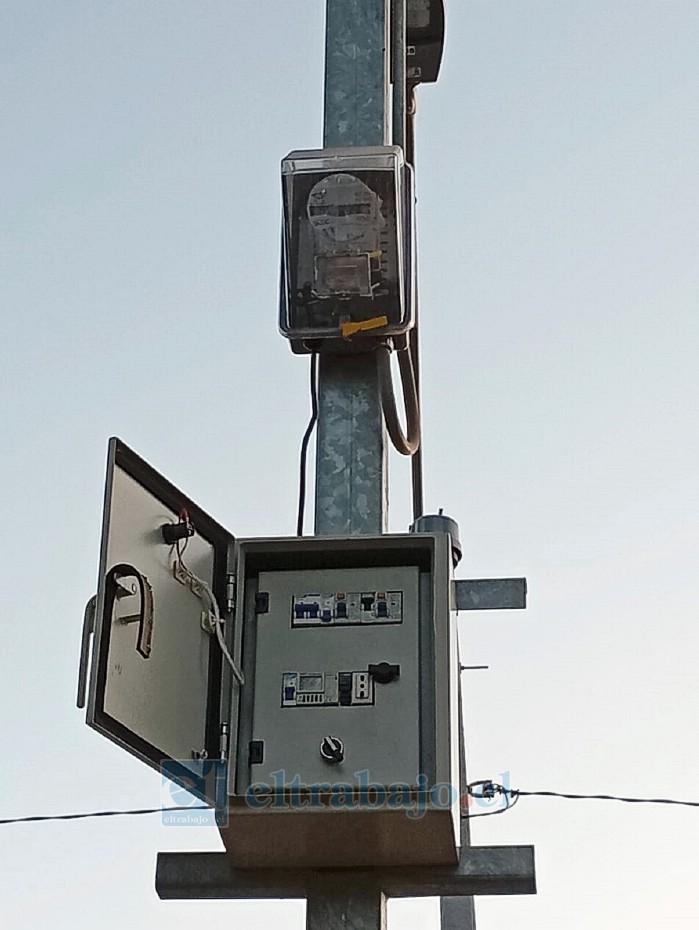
(336, 676)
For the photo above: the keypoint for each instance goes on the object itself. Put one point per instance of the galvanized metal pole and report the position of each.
(351, 476)
(351, 480)
(343, 903)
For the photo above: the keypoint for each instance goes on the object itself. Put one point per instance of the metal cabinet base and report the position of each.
(271, 838)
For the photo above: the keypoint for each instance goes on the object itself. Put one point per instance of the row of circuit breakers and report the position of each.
(343, 689)
(342, 608)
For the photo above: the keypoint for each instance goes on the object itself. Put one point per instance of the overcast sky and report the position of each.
(557, 163)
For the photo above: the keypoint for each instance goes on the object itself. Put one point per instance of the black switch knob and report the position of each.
(384, 672)
(332, 750)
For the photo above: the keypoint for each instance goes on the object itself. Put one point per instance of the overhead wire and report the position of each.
(489, 791)
(607, 797)
(86, 816)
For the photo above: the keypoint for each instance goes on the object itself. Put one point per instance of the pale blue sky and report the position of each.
(557, 164)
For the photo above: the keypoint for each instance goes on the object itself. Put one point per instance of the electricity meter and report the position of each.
(346, 247)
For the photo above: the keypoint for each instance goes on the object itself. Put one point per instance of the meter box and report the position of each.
(346, 247)
(348, 721)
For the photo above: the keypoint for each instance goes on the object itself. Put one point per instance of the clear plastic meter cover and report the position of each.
(343, 229)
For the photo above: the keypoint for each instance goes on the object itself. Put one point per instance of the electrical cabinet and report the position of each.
(307, 688)
(348, 721)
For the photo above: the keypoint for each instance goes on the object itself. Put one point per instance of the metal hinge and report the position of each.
(230, 592)
(88, 630)
(223, 742)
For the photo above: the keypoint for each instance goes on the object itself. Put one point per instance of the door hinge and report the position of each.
(223, 742)
(230, 593)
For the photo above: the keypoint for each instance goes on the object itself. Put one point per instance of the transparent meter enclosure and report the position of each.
(346, 246)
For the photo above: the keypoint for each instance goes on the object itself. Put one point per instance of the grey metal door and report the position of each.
(156, 666)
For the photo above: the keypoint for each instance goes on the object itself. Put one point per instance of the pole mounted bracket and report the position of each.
(489, 594)
(481, 870)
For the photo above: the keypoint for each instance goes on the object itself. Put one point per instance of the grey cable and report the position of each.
(406, 442)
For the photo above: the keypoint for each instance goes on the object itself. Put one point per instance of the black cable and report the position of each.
(133, 813)
(416, 472)
(490, 790)
(416, 461)
(304, 443)
(508, 807)
(605, 797)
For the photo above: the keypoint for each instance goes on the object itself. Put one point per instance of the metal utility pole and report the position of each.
(351, 480)
(351, 500)
(351, 459)
(370, 611)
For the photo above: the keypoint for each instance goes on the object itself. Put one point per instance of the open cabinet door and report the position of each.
(155, 682)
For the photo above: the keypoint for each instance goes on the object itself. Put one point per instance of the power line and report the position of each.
(489, 790)
(85, 816)
(605, 797)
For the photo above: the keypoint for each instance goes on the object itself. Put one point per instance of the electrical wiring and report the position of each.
(413, 337)
(509, 804)
(305, 441)
(86, 816)
(202, 590)
(490, 790)
(416, 477)
(406, 443)
(606, 797)
(237, 674)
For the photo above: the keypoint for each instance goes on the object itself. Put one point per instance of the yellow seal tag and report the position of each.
(351, 329)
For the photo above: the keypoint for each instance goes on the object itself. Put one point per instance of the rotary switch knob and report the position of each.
(332, 750)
